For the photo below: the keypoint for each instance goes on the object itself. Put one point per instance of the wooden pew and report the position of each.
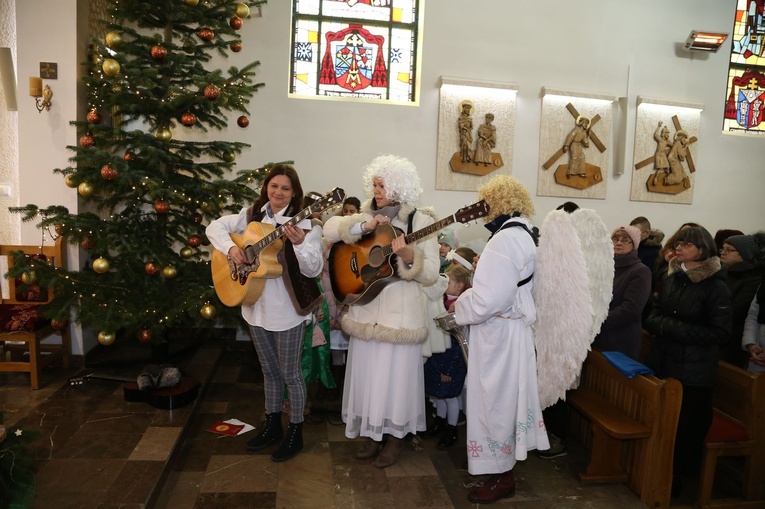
(629, 424)
(738, 429)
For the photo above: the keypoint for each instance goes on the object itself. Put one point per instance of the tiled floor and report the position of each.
(98, 451)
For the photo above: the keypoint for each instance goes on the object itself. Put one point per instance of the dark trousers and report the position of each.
(556, 419)
(692, 427)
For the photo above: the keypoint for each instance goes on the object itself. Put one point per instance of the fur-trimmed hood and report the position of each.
(708, 268)
(655, 237)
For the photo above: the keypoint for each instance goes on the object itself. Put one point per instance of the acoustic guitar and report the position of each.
(242, 285)
(358, 272)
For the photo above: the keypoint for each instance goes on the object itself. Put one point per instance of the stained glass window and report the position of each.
(360, 49)
(745, 100)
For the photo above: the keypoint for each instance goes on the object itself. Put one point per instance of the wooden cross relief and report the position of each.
(593, 174)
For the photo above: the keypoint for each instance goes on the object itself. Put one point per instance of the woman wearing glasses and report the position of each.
(622, 330)
(690, 319)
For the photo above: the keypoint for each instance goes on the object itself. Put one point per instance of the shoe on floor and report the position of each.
(557, 449)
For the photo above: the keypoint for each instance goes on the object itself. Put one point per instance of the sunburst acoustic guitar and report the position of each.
(241, 285)
(358, 272)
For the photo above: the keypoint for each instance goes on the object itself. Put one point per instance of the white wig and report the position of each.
(399, 176)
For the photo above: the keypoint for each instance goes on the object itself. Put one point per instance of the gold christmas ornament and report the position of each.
(101, 265)
(106, 338)
(242, 10)
(229, 157)
(208, 311)
(86, 189)
(164, 134)
(111, 67)
(191, 3)
(169, 272)
(186, 252)
(113, 39)
(29, 277)
(69, 182)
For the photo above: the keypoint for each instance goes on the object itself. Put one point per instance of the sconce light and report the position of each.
(37, 91)
(704, 41)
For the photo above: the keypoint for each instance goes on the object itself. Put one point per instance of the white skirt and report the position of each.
(384, 390)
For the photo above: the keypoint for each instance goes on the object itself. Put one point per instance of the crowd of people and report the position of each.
(699, 296)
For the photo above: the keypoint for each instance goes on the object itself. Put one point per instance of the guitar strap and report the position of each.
(411, 222)
(534, 236)
(304, 291)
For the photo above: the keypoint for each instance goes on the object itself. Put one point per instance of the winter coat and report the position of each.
(691, 319)
(743, 278)
(754, 333)
(399, 313)
(622, 331)
(648, 252)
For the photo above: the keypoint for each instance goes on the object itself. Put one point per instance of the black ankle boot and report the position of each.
(270, 434)
(448, 437)
(292, 443)
(439, 424)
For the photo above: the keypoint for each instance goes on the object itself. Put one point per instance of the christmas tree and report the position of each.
(148, 183)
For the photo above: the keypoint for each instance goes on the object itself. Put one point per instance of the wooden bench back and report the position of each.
(740, 394)
(56, 255)
(650, 401)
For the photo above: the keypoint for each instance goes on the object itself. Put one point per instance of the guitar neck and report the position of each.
(253, 250)
(415, 237)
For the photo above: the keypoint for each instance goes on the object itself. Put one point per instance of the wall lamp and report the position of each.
(704, 41)
(37, 91)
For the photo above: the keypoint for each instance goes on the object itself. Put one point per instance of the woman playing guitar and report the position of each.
(383, 391)
(277, 319)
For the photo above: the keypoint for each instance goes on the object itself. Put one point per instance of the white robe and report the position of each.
(504, 417)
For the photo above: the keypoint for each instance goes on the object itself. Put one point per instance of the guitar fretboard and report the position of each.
(253, 250)
(424, 232)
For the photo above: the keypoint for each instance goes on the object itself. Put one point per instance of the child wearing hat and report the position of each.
(446, 242)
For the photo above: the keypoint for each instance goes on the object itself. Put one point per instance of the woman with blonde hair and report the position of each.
(504, 416)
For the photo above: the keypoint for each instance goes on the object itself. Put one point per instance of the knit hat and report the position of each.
(447, 237)
(745, 244)
(633, 233)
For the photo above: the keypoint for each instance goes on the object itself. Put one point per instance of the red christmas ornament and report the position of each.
(158, 52)
(235, 22)
(197, 218)
(151, 268)
(162, 207)
(144, 335)
(195, 241)
(188, 119)
(236, 47)
(243, 121)
(212, 92)
(59, 324)
(129, 155)
(87, 243)
(108, 173)
(87, 141)
(206, 34)
(94, 117)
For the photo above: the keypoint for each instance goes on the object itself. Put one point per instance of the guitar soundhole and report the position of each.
(376, 256)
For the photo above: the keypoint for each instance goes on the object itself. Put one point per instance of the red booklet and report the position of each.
(226, 428)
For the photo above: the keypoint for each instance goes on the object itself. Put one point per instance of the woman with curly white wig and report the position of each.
(384, 387)
(504, 415)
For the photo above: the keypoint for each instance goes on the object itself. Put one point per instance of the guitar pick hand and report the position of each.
(402, 249)
(375, 222)
(236, 254)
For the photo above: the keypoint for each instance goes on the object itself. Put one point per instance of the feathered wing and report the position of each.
(599, 257)
(564, 307)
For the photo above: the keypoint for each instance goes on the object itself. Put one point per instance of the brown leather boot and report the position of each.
(390, 452)
(368, 450)
(499, 487)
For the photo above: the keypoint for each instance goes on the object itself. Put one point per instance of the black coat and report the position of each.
(691, 319)
(622, 331)
(743, 279)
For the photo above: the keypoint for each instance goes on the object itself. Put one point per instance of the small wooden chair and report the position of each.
(22, 327)
(738, 429)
